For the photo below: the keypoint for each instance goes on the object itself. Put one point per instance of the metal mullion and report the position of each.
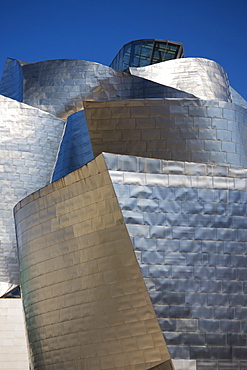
(152, 54)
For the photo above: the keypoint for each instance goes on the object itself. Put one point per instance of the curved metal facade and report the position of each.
(76, 148)
(28, 146)
(194, 130)
(61, 86)
(204, 78)
(78, 255)
(182, 197)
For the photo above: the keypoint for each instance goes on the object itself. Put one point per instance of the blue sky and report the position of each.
(33, 30)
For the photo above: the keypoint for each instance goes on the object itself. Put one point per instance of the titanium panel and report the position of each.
(186, 221)
(85, 301)
(60, 86)
(189, 234)
(76, 149)
(201, 77)
(173, 129)
(238, 99)
(28, 147)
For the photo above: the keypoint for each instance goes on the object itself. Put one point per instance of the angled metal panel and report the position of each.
(85, 300)
(189, 234)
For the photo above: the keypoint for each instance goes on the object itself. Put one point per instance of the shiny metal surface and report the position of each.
(75, 253)
(76, 148)
(60, 86)
(187, 223)
(28, 147)
(238, 99)
(176, 129)
(201, 77)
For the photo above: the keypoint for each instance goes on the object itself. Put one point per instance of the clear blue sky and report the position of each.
(34, 30)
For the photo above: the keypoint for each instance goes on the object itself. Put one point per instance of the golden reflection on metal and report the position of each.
(85, 300)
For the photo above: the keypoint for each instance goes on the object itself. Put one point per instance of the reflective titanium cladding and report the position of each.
(130, 183)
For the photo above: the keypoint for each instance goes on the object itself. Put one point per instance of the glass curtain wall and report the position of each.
(145, 52)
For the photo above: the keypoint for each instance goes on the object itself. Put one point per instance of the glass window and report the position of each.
(126, 56)
(121, 59)
(146, 52)
(135, 54)
(164, 51)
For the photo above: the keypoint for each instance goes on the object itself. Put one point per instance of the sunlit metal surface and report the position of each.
(85, 300)
(238, 99)
(60, 86)
(28, 147)
(204, 78)
(186, 220)
(177, 129)
(187, 223)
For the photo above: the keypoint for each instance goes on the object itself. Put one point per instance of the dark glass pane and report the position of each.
(158, 56)
(121, 59)
(147, 48)
(136, 61)
(135, 54)
(126, 56)
(116, 61)
(146, 52)
(164, 51)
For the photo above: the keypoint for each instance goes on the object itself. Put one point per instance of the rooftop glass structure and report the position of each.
(141, 53)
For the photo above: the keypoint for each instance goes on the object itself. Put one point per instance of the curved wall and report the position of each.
(203, 78)
(76, 149)
(28, 147)
(60, 86)
(85, 301)
(186, 220)
(187, 224)
(177, 129)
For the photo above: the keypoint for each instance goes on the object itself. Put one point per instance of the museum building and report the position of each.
(123, 213)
